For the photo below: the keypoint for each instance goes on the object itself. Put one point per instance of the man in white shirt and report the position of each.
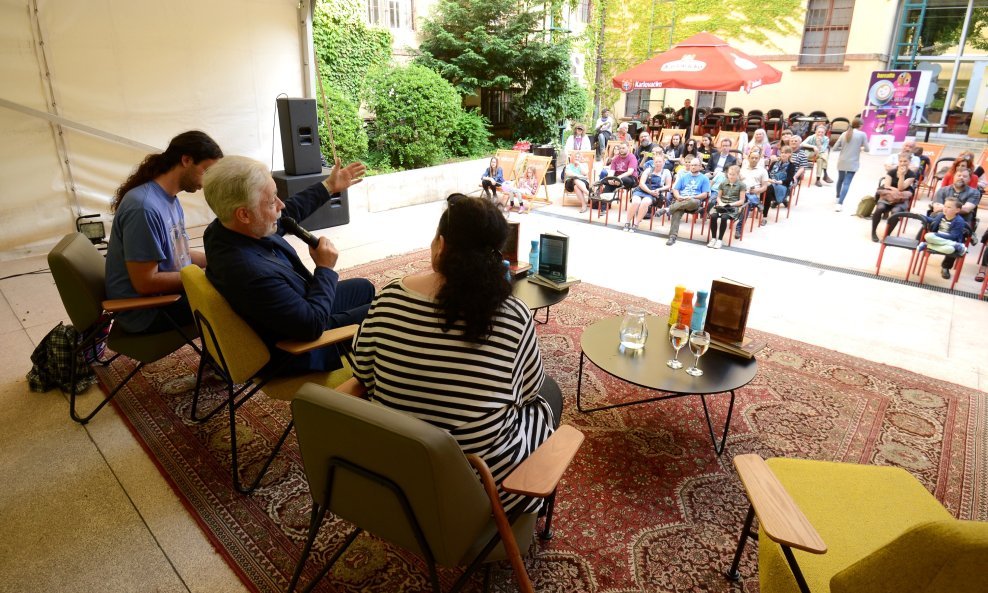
(755, 179)
(909, 146)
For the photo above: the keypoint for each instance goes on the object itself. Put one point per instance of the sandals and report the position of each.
(981, 275)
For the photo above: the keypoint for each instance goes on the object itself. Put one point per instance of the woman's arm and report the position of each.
(644, 177)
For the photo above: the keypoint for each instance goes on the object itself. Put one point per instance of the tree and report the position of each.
(346, 46)
(502, 44)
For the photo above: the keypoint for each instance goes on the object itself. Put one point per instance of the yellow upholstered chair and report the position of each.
(240, 357)
(848, 528)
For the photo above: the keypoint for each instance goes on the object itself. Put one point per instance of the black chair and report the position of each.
(902, 242)
(774, 122)
(754, 121)
(734, 120)
(837, 127)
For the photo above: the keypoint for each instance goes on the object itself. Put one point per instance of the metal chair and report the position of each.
(79, 272)
(754, 121)
(241, 358)
(837, 127)
(958, 262)
(774, 122)
(408, 483)
(901, 242)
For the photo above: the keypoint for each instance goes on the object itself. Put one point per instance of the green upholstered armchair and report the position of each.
(409, 483)
(884, 531)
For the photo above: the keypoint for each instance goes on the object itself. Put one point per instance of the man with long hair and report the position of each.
(148, 242)
(260, 274)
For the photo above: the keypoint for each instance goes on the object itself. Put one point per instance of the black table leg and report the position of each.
(718, 449)
(536, 319)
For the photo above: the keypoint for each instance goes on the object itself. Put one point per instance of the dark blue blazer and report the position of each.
(715, 160)
(268, 285)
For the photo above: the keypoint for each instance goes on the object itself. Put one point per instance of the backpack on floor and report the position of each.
(866, 206)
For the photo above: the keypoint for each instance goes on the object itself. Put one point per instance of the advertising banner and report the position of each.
(888, 107)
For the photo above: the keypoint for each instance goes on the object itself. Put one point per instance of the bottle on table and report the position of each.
(507, 269)
(686, 308)
(699, 311)
(674, 305)
(533, 258)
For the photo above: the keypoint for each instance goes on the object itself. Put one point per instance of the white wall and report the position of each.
(141, 69)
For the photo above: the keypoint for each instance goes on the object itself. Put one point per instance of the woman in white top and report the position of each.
(850, 144)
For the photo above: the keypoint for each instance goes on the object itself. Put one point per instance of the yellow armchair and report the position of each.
(848, 528)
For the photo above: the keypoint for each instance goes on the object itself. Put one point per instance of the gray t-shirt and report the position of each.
(149, 225)
(850, 151)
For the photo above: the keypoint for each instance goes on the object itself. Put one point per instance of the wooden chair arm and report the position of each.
(778, 513)
(539, 474)
(328, 337)
(503, 525)
(136, 303)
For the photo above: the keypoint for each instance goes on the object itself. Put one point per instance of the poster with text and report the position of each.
(889, 103)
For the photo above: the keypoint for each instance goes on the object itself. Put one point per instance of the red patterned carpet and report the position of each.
(646, 506)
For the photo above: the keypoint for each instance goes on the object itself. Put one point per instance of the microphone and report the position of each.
(291, 226)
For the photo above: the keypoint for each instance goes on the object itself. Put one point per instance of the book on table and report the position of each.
(727, 318)
(553, 256)
(543, 281)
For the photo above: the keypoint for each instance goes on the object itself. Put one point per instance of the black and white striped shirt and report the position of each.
(484, 394)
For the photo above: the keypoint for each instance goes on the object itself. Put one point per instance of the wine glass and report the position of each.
(699, 342)
(679, 334)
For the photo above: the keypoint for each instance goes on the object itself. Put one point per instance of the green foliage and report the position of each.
(347, 46)
(576, 102)
(636, 31)
(413, 108)
(502, 44)
(348, 128)
(470, 135)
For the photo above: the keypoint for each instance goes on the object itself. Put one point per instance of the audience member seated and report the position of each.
(819, 142)
(674, 152)
(689, 192)
(652, 187)
(260, 274)
(620, 171)
(894, 194)
(690, 148)
(783, 140)
(730, 201)
(964, 161)
(798, 157)
(492, 180)
(706, 148)
(578, 141)
(721, 160)
(578, 179)
(946, 235)
(968, 197)
(760, 139)
(925, 165)
(755, 179)
(148, 243)
(645, 144)
(780, 176)
(909, 146)
(519, 191)
(603, 131)
(428, 338)
(622, 134)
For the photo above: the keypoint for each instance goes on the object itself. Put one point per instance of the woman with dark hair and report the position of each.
(148, 242)
(674, 152)
(454, 348)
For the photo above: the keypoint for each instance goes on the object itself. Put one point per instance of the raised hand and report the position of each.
(343, 177)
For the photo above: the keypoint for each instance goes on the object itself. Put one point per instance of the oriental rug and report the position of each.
(646, 505)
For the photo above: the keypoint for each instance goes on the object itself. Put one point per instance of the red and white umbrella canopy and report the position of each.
(703, 62)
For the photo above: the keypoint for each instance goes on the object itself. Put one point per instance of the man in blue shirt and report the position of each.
(689, 193)
(148, 243)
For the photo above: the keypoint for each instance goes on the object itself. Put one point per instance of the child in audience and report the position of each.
(521, 189)
(946, 235)
(730, 199)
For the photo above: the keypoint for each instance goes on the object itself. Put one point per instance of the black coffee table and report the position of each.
(537, 296)
(722, 373)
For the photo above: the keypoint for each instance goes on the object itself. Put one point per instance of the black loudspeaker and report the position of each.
(335, 212)
(299, 136)
(549, 151)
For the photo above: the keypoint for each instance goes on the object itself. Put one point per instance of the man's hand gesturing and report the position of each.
(343, 177)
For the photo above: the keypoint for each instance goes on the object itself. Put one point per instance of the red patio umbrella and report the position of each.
(704, 62)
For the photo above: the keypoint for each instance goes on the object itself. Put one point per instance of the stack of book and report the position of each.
(727, 318)
(542, 280)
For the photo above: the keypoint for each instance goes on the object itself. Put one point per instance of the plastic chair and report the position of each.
(843, 528)
(837, 127)
(79, 272)
(901, 242)
(408, 483)
(734, 120)
(956, 268)
(774, 122)
(754, 121)
(241, 358)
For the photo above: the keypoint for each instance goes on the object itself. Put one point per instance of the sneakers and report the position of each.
(827, 179)
(945, 273)
(661, 212)
(874, 238)
(921, 247)
(718, 243)
(818, 184)
(737, 234)
(763, 222)
(838, 207)
(712, 243)
(627, 227)
(672, 240)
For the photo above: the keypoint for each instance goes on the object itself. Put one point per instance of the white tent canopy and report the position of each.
(123, 77)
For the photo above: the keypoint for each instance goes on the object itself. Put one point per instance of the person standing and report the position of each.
(148, 242)
(850, 144)
(685, 118)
